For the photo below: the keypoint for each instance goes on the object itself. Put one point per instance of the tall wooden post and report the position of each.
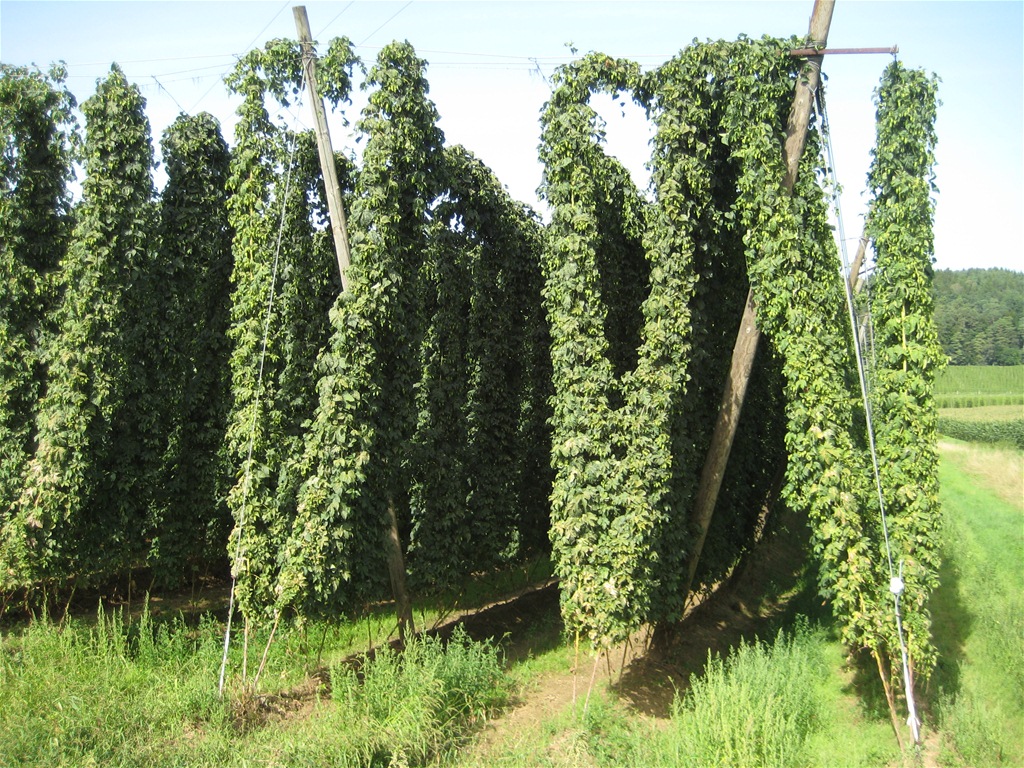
(339, 227)
(748, 336)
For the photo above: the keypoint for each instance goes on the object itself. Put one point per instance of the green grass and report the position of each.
(853, 730)
(970, 386)
(788, 702)
(117, 693)
(784, 701)
(756, 707)
(978, 611)
(107, 694)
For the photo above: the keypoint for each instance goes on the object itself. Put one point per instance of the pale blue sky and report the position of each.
(489, 61)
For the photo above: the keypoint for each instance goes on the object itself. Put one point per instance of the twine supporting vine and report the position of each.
(896, 584)
(247, 479)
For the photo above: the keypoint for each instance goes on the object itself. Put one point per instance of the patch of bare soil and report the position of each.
(252, 710)
(751, 601)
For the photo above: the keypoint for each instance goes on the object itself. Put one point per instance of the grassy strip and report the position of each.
(978, 611)
(106, 694)
(140, 693)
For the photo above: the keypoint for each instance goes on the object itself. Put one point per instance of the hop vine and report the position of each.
(35, 224)
(908, 354)
(84, 505)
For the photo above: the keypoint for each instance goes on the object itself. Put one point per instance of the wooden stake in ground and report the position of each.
(748, 336)
(396, 569)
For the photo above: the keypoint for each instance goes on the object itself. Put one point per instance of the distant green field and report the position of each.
(972, 386)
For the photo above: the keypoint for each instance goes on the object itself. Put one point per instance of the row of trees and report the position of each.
(980, 316)
(182, 365)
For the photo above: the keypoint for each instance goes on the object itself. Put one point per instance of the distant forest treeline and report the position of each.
(980, 315)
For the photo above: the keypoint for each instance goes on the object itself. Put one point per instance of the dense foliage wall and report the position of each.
(284, 281)
(195, 260)
(907, 354)
(125, 337)
(479, 489)
(643, 299)
(38, 132)
(431, 394)
(355, 455)
(634, 401)
(183, 356)
(84, 506)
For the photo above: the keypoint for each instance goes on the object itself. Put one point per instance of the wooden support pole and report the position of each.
(858, 261)
(748, 336)
(396, 570)
(856, 283)
(339, 227)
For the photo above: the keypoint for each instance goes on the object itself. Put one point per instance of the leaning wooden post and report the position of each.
(748, 336)
(339, 227)
(396, 571)
(858, 262)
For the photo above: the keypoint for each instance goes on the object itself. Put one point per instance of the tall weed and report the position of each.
(757, 707)
(79, 694)
(129, 693)
(417, 705)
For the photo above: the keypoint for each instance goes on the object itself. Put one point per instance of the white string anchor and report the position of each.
(896, 587)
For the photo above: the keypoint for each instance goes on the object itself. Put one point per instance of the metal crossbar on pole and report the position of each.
(798, 52)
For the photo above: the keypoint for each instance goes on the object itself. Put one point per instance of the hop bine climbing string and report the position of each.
(907, 353)
(237, 559)
(896, 585)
